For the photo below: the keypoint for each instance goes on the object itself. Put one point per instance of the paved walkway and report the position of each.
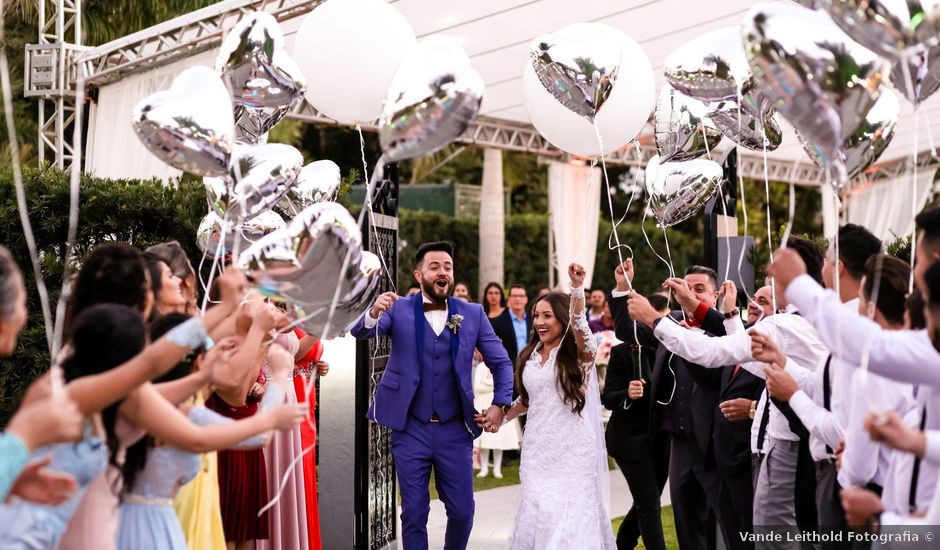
(496, 511)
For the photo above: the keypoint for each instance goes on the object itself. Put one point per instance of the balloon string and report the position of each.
(21, 191)
(909, 84)
(770, 242)
(610, 204)
(224, 227)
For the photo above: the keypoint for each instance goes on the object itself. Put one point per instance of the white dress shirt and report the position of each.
(793, 335)
(826, 427)
(437, 318)
(859, 463)
(902, 355)
(896, 495)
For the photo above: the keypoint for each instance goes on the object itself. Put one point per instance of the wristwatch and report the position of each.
(732, 314)
(503, 407)
(753, 410)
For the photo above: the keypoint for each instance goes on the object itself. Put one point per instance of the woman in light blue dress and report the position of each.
(153, 473)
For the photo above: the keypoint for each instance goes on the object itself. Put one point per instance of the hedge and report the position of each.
(144, 212)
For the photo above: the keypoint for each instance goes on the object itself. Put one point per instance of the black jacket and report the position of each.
(633, 424)
(502, 326)
(691, 393)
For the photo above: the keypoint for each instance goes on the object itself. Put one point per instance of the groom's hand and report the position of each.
(382, 304)
(490, 419)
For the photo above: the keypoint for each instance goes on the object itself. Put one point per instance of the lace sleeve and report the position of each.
(587, 353)
(202, 416)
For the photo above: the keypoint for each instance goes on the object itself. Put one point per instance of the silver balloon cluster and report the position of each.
(317, 265)
(677, 190)
(433, 98)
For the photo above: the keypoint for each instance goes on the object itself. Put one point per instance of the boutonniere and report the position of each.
(454, 323)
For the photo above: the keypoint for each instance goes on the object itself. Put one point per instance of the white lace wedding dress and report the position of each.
(564, 463)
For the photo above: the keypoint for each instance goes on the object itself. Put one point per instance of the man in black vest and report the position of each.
(691, 399)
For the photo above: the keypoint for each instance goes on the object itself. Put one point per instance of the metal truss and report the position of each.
(179, 38)
(203, 29)
(49, 75)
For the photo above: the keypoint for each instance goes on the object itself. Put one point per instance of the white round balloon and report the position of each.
(349, 50)
(620, 119)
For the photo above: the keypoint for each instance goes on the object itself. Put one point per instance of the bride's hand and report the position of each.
(576, 275)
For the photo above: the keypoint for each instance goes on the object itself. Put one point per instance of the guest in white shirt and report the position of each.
(775, 446)
(822, 404)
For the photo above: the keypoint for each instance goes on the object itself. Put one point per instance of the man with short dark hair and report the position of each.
(690, 397)
(426, 393)
(775, 446)
(597, 301)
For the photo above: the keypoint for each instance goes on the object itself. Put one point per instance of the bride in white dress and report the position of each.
(564, 459)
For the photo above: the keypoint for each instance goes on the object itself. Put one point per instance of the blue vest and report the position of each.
(437, 389)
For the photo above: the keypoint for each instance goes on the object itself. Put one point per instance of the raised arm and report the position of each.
(147, 409)
(95, 392)
(233, 379)
(587, 346)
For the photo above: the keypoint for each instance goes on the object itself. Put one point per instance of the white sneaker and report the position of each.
(498, 474)
(483, 473)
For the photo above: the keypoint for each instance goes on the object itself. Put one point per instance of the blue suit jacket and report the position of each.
(403, 322)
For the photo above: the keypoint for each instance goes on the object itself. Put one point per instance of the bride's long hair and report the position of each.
(569, 376)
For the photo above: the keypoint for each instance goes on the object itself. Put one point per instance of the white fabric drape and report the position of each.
(573, 199)
(887, 207)
(114, 151)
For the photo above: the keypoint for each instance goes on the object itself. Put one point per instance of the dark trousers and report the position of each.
(829, 505)
(694, 491)
(736, 498)
(448, 447)
(646, 477)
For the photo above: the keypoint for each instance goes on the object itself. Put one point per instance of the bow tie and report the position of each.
(433, 306)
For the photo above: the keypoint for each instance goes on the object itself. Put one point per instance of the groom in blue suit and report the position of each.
(426, 393)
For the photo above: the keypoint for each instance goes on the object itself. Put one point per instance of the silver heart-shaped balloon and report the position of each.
(757, 133)
(712, 67)
(258, 177)
(252, 124)
(190, 126)
(892, 28)
(923, 71)
(863, 148)
(681, 128)
(315, 262)
(819, 79)
(255, 66)
(210, 231)
(677, 190)
(318, 181)
(578, 64)
(433, 97)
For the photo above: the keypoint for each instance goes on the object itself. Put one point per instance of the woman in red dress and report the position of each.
(307, 368)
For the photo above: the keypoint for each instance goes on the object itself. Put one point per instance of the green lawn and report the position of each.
(669, 528)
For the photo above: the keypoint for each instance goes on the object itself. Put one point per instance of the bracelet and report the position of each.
(577, 292)
(752, 412)
(191, 334)
(732, 314)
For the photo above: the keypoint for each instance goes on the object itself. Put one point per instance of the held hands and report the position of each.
(641, 310)
(576, 275)
(490, 419)
(889, 428)
(736, 409)
(786, 266)
(382, 304)
(623, 274)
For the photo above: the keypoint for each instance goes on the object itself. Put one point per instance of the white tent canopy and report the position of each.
(495, 33)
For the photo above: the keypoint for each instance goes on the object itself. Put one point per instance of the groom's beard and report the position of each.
(431, 291)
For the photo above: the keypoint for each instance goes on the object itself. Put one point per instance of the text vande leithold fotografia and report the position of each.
(835, 535)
